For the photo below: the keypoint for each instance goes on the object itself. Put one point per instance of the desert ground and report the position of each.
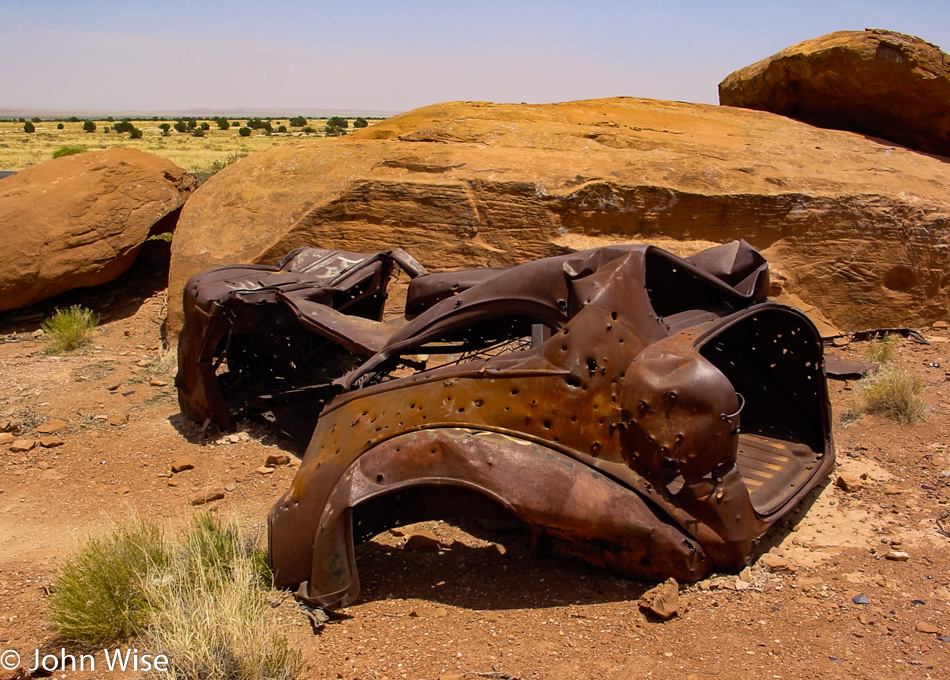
(482, 605)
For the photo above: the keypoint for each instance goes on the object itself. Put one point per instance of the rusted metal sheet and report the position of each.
(648, 413)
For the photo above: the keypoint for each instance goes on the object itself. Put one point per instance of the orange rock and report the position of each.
(465, 184)
(80, 220)
(872, 82)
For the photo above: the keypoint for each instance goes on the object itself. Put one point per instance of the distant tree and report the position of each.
(181, 126)
(235, 123)
(29, 127)
(360, 123)
(205, 126)
(21, 120)
(60, 126)
(135, 133)
(89, 126)
(36, 119)
(164, 127)
(282, 128)
(72, 119)
(309, 131)
(123, 126)
(110, 119)
(298, 121)
(155, 118)
(192, 123)
(335, 126)
(245, 132)
(223, 123)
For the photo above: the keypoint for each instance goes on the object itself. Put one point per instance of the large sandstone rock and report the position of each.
(873, 82)
(80, 220)
(857, 228)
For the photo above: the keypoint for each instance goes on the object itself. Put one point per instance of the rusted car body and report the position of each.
(644, 412)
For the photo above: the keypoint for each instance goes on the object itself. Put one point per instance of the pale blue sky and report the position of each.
(394, 55)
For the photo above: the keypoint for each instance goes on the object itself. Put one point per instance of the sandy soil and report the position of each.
(484, 605)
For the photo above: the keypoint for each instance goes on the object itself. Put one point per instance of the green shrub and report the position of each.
(29, 127)
(223, 123)
(245, 132)
(282, 128)
(201, 600)
(205, 126)
(69, 328)
(60, 126)
(360, 123)
(135, 133)
(893, 394)
(98, 596)
(181, 126)
(298, 121)
(67, 151)
(198, 132)
(89, 126)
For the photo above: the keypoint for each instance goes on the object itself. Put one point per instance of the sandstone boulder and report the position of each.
(874, 82)
(855, 227)
(80, 220)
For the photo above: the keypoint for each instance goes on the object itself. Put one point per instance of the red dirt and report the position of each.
(484, 605)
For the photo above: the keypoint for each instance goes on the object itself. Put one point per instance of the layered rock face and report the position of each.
(874, 82)
(80, 220)
(857, 228)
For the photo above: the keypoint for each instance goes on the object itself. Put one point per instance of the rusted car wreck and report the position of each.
(645, 412)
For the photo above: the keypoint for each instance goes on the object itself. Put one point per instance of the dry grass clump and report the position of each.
(69, 329)
(881, 350)
(894, 394)
(202, 600)
(98, 596)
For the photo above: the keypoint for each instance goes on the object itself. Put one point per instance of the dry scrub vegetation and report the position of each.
(202, 599)
(19, 149)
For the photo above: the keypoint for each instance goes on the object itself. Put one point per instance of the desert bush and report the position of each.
(135, 133)
(223, 123)
(297, 121)
(198, 132)
(209, 610)
(98, 596)
(67, 151)
(123, 126)
(29, 127)
(205, 126)
(282, 128)
(181, 126)
(882, 349)
(68, 329)
(309, 130)
(245, 132)
(892, 393)
(202, 600)
(360, 123)
(219, 164)
(89, 126)
(60, 126)
(165, 127)
(335, 126)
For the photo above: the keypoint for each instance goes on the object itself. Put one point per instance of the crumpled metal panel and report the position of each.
(645, 412)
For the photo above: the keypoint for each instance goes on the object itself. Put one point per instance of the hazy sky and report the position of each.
(395, 55)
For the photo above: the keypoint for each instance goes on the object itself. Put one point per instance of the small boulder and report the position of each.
(276, 459)
(663, 601)
(52, 426)
(183, 463)
(80, 220)
(22, 445)
(849, 482)
(207, 496)
(423, 540)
